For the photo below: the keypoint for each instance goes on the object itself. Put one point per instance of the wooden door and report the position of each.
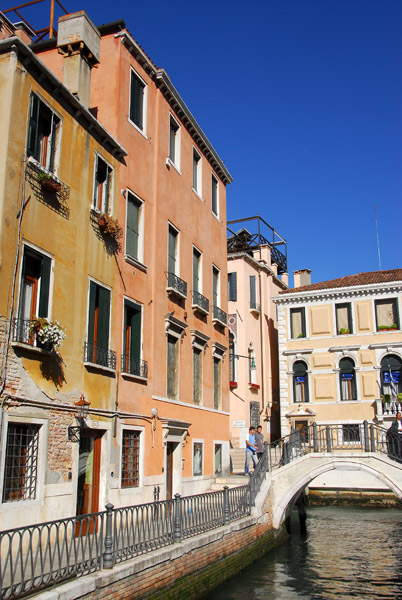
(88, 478)
(169, 469)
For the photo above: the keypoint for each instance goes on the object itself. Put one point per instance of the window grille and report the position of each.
(130, 459)
(21, 466)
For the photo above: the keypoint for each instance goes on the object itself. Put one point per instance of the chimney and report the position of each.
(285, 278)
(301, 278)
(24, 32)
(79, 41)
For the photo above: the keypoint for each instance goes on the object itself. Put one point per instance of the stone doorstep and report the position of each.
(81, 586)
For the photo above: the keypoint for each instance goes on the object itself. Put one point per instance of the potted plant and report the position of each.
(385, 398)
(49, 334)
(49, 182)
(344, 331)
(109, 225)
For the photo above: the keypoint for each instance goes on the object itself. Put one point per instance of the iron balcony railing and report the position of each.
(38, 556)
(361, 437)
(219, 315)
(255, 307)
(23, 334)
(134, 366)
(176, 285)
(99, 356)
(200, 302)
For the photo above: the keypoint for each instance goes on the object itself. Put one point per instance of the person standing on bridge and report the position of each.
(396, 429)
(259, 442)
(251, 449)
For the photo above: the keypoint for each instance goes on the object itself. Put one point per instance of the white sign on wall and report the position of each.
(238, 423)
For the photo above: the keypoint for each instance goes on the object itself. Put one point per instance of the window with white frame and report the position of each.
(347, 376)
(173, 250)
(300, 382)
(132, 342)
(343, 318)
(297, 323)
(391, 376)
(21, 462)
(198, 456)
(43, 133)
(386, 312)
(97, 346)
(214, 195)
(138, 91)
(218, 459)
(197, 176)
(102, 185)
(197, 273)
(218, 354)
(134, 227)
(174, 142)
(130, 458)
(216, 286)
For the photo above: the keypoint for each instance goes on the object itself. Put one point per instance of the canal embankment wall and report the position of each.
(186, 570)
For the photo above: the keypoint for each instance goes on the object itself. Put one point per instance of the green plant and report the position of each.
(386, 397)
(300, 335)
(46, 331)
(382, 327)
(344, 330)
(399, 396)
(110, 225)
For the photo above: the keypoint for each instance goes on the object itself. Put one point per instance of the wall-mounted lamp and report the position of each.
(81, 414)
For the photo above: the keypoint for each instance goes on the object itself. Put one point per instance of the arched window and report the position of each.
(347, 379)
(300, 382)
(391, 375)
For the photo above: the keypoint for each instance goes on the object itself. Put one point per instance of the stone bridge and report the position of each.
(289, 481)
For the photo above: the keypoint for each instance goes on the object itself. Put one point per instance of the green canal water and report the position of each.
(346, 553)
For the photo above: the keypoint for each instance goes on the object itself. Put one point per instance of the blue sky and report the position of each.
(302, 99)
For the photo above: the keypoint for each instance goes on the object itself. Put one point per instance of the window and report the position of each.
(386, 312)
(172, 366)
(218, 459)
(215, 287)
(391, 376)
(43, 133)
(34, 293)
(196, 171)
(174, 142)
(98, 326)
(130, 459)
(253, 294)
(217, 382)
(297, 323)
(197, 281)
(351, 433)
(232, 287)
(232, 359)
(173, 238)
(197, 458)
(197, 376)
(134, 227)
(103, 181)
(215, 195)
(132, 343)
(137, 101)
(347, 379)
(252, 370)
(300, 382)
(343, 318)
(21, 464)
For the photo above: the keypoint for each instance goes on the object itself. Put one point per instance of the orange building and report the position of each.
(170, 308)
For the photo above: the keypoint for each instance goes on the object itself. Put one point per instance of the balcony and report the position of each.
(134, 366)
(24, 336)
(102, 357)
(255, 308)
(200, 303)
(176, 286)
(219, 316)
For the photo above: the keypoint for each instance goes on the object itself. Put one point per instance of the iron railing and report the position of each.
(254, 306)
(99, 356)
(200, 302)
(258, 475)
(134, 366)
(23, 334)
(219, 315)
(360, 437)
(38, 556)
(177, 285)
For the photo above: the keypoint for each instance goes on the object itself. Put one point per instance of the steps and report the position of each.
(231, 481)
(238, 457)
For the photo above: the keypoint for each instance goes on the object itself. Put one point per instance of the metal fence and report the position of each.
(360, 437)
(38, 556)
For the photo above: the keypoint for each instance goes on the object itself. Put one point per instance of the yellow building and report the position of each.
(57, 276)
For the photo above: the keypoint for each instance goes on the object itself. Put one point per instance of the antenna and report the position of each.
(378, 239)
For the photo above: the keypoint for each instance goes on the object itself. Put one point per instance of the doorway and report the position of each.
(88, 477)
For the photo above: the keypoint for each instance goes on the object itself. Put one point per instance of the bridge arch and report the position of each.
(294, 480)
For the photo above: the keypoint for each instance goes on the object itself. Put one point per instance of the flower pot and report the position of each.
(51, 185)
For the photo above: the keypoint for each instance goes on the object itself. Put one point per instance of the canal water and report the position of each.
(346, 553)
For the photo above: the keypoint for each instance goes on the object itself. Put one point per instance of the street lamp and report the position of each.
(81, 414)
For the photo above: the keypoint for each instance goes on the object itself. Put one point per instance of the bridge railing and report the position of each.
(359, 437)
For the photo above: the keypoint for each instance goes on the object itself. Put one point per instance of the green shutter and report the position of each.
(33, 130)
(172, 251)
(133, 321)
(136, 101)
(103, 318)
(232, 278)
(132, 234)
(45, 267)
(196, 264)
(252, 290)
(55, 123)
(91, 315)
(215, 286)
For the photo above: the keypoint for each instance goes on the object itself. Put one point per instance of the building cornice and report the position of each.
(340, 293)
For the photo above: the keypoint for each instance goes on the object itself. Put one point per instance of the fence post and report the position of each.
(226, 508)
(108, 559)
(315, 438)
(252, 489)
(372, 438)
(366, 437)
(328, 436)
(177, 518)
(266, 466)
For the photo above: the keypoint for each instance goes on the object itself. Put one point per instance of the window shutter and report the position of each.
(103, 319)
(135, 342)
(133, 209)
(33, 130)
(91, 315)
(136, 103)
(215, 286)
(196, 278)
(105, 207)
(55, 124)
(252, 290)
(172, 251)
(44, 286)
(232, 277)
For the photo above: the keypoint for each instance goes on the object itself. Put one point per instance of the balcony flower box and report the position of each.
(49, 183)
(344, 331)
(110, 226)
(233, 385)
(49, 334)
(254, 386)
